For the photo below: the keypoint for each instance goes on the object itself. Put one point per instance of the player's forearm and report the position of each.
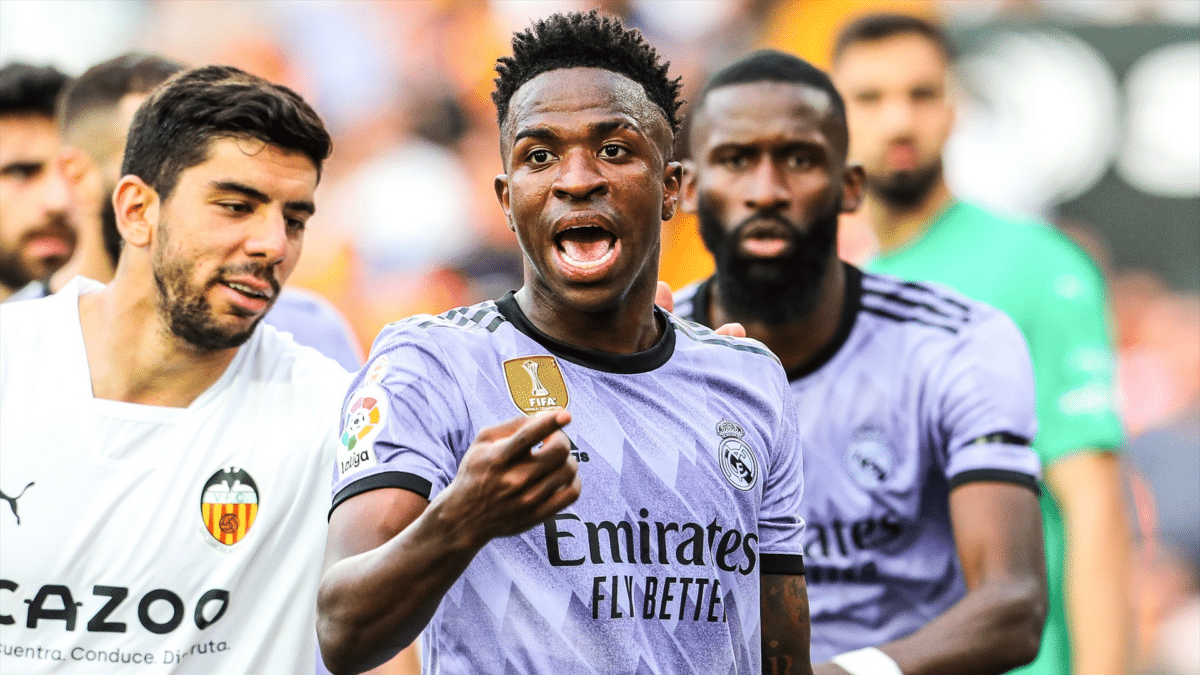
(785, 625)
(993, 629)
(1096, 582)
(372, 605)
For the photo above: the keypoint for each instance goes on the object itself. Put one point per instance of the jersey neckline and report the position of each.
(702, 301)
(622, 364)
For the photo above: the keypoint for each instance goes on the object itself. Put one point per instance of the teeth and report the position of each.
(247, 290)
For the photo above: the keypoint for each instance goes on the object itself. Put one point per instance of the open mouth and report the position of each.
(766, 239)
(586, 247)
(247, 290)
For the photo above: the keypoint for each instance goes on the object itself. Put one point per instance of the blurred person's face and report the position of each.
(589, 184)
(900, 114)
(227, 239)
(767, 180)
(36, 237)
(93, 168)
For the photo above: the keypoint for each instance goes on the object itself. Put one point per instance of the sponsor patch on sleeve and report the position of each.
(364, 416)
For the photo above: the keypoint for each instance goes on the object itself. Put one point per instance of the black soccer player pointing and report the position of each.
(587, 118)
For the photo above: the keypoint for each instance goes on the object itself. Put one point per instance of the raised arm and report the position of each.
(391, 556)
(785, 627)
(997, 625)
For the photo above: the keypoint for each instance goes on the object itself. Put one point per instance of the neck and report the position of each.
(6, 292)
(628, 328)
(897, 227)
(134, 358)
(795, 342)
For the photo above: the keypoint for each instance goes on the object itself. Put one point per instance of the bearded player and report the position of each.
(915, 404)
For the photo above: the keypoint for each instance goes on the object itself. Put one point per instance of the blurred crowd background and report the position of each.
(1085, 113)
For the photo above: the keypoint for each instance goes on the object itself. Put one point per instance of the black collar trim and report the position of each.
(622, 364)
(702, 302)
(850, 307)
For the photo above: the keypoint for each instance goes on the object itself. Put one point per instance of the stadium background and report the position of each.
(1081, 112)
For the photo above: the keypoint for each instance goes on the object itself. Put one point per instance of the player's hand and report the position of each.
(508, 483)
(663, 298)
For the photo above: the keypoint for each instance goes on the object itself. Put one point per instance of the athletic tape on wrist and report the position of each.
(869, 661)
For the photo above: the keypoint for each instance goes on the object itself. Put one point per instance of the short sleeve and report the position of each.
(780, 525)
(1073, 358)
(403, 420)
(986, 415)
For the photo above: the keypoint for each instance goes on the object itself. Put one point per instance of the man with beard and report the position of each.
(36, 237)
(915, 404)
(895, 72)
(663, 534)
(94, 114)
(169, 454)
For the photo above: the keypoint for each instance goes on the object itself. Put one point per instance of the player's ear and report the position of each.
(501, 185)
(853, 179)
(687, 192)
(672, 177)
(137, 207)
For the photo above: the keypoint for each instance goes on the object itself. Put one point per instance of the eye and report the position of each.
(867, 97)
(540, 156)
(295, 224)
(22, 171)
(735, 162)
(801, 161)
(613, 151)
(236, 208)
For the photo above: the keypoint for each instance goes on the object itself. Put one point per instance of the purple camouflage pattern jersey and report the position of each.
(921, 390)
(692, 479)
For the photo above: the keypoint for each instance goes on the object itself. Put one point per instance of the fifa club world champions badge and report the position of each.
(536, 383)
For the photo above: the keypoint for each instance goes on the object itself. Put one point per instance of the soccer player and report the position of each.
(915, 404)
(94, 114)
(660, 531)
(163, 456)
(895, 72)
(36, 236)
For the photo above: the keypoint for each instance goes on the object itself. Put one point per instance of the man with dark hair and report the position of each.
(895, 72)
(36, 237)
(915, 404)
(663, 535)
(169, 453)
(94, 114)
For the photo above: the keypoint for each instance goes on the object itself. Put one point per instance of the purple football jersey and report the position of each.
(921, 390)
(692, 478)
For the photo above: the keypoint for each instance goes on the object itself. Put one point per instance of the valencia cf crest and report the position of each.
(229, 505)
(536, 383)
(738, 462)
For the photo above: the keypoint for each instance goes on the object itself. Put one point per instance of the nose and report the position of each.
(267, 238)
(897, 116)
(768, 189)
(578, 176)
(55, 195)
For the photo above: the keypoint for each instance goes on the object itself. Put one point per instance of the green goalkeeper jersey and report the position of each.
(1056, 296)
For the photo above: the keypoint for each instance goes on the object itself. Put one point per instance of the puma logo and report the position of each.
(12, 501)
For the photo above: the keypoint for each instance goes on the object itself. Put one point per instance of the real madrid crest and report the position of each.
(229, 505)
(738, 462)
(536, 383)
(869, 461)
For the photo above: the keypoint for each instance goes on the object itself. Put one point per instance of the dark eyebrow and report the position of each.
(596, 128)
(260, 196)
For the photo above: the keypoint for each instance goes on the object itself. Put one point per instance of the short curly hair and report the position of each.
(579, 40)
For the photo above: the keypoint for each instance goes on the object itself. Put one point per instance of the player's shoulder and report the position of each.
(693, 336)
(1042, 245)
(478, 320)
(276, 355)
(924, 307)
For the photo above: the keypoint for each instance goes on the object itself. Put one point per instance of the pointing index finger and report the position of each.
(533, 431)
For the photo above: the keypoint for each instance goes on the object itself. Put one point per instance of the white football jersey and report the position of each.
(144, 539)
